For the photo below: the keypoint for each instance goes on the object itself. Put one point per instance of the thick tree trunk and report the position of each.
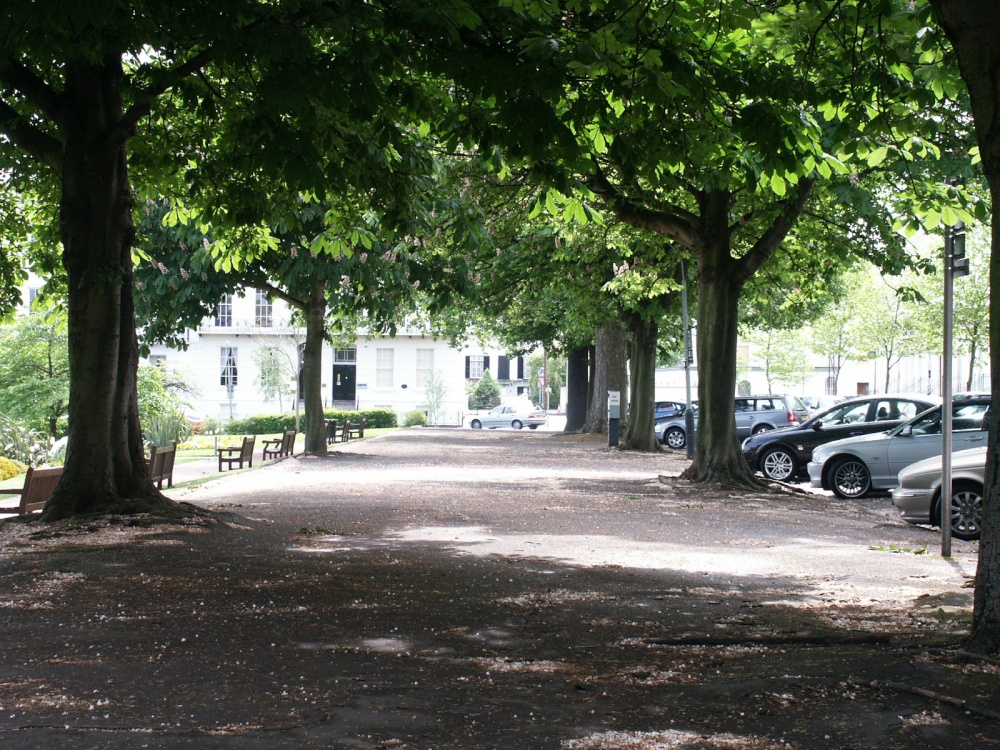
(105, 470)
(718, 458)
(312, 371)
(973, 28)
(577, 382)
(610, 374)
(639, 433)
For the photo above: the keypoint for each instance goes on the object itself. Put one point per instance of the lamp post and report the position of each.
(955, 264)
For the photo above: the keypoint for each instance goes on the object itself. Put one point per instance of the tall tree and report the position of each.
(234, 94)
(973, 26)
(717, 126)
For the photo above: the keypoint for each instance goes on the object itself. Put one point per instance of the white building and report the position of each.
(223, 362)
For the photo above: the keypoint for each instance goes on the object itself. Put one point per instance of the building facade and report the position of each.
(246, 360)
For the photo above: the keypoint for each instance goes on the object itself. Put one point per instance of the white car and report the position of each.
(855, 466)
(918, 496)
(510, 415)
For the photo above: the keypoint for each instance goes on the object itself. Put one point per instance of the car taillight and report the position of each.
(793, 417)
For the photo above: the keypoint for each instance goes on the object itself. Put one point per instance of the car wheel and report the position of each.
(476, 424)
(779, 464)
(516, 424)
(675, 437)
(532, 426)
(850, 479)
(762, 428)
(966, 510)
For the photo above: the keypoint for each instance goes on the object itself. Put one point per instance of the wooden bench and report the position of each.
(238, 455)
(160, 464)
(38, 487)
(354, 429)
(280, 447)
(334, 432)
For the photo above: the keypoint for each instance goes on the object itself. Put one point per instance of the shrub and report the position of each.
(23, 444)
(415, 418)
(164, 429)
(486, 393)
(9, 468)
(272, 424)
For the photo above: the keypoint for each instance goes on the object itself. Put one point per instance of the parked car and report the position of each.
(667, 409)
(918, 495)
(672, 432)
(853, 467)
(754, 414)
(509, 415)
(783, 454)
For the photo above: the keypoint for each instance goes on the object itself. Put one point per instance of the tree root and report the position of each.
(939, 697)
(799, 639)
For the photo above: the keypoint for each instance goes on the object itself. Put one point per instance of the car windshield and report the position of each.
(964, 417)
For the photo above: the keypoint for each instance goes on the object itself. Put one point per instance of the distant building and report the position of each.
(223, 362)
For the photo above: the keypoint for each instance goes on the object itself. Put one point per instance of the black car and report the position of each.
(783, 454)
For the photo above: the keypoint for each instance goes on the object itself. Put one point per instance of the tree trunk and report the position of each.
(610, 374)
(105, 469)
(577, 380)
(973, 28)
(639, 435)
(972, 362)
(718, 458)
(312, 371)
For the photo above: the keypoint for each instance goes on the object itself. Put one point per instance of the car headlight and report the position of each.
(899, 492)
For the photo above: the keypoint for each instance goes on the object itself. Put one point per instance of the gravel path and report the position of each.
(452, 589)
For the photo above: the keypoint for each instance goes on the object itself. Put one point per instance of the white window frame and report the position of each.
(383, 368)
(345, 355)
(477, 366)
(228, 366)
(224, 315)
(425, 366)
(263, 309)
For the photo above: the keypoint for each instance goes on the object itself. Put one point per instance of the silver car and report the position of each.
(510, 415)
(754, 414)
(853, 467)
(918, 496)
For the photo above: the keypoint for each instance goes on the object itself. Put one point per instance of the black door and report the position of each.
(344, 379)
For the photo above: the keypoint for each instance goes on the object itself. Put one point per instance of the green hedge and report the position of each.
(270, 424)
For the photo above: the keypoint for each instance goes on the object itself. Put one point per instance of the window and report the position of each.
(425, 365)
(383, 368)
(346, 356)
(224, 316)
(476, 367)
(228, 366)
(262, 311)
(33, 293)
(157, 359)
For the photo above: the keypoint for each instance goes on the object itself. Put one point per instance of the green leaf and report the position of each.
(778, 185)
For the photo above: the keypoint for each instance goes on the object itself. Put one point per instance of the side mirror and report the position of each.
(817, 425)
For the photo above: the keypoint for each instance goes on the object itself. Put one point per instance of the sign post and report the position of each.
(614, 417)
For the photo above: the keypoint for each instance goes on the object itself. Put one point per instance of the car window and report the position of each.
(969, 417)
(848, 414)
(929, 424)
(886, 409)
(908, 409)
(766, 404)
(744, 404)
